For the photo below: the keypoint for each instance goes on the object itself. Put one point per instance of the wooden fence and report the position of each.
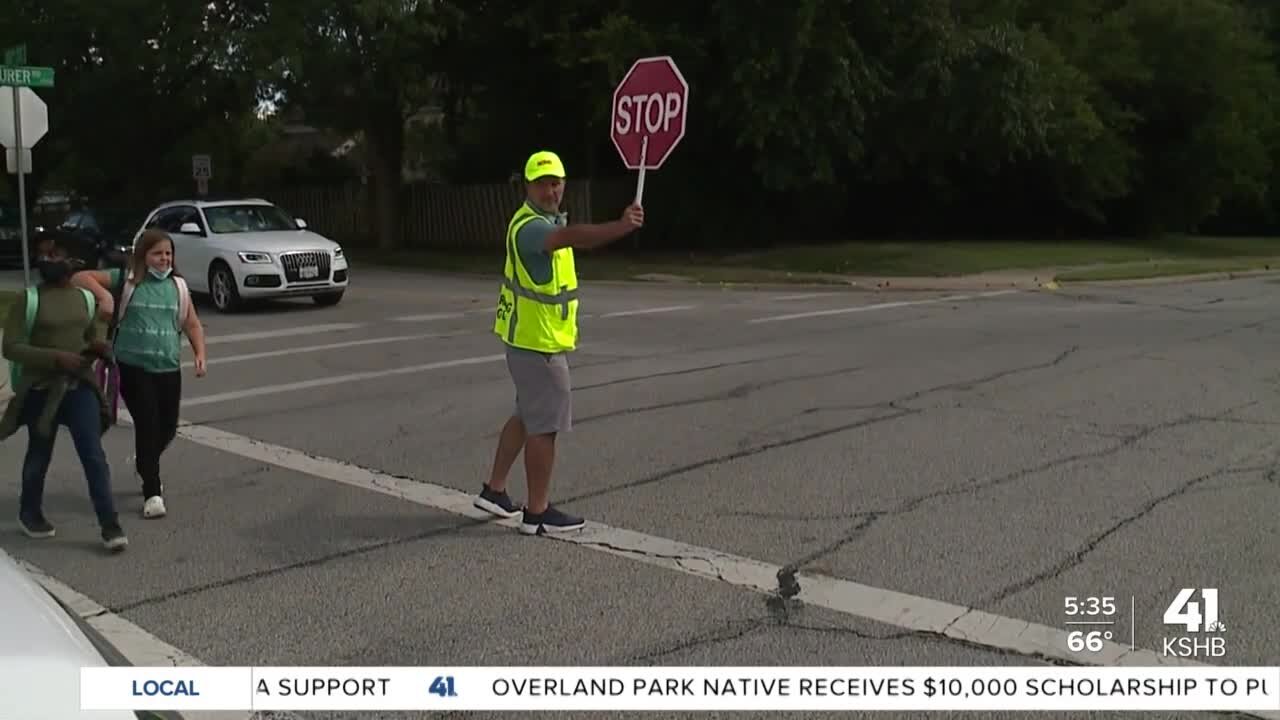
(459, 218)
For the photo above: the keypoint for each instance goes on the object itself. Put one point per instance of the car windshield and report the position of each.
(248, 218)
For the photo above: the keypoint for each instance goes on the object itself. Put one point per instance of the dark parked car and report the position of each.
(11, 235)
(110, 233)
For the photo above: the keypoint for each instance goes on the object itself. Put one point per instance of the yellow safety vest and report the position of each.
(542, 317)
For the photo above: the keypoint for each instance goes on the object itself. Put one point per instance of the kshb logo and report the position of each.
(1195, 616)
(1186, 612)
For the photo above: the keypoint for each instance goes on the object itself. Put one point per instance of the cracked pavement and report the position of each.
(994, 454)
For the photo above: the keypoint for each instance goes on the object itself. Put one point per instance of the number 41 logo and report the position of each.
(443, 686)
(1185, 611)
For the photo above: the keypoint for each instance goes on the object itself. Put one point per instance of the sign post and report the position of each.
(201, 172)
(22, 188)
(35, 116)
(649, 110)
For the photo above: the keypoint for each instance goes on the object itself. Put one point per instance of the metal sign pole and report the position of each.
(22, 186)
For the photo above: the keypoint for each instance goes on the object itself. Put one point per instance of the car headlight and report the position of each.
(254, 257)
(337, 252)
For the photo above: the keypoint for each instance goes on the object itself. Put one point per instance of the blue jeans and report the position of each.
(80, 413)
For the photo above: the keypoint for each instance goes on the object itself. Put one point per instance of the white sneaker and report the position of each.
(153, 507)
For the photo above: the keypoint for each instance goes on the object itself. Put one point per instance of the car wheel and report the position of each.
(222, 289)
(328, 299)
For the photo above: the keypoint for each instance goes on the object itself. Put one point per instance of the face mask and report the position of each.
(160, 274)
(54, 272)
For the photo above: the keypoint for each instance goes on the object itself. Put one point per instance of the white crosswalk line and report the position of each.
(878, 306)
(335, 380)
(281, 332)
(215, 360)
(648, 311)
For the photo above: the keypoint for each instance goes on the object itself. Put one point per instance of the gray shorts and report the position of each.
(543, 398)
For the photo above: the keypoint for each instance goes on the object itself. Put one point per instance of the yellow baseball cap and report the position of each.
(541, 164)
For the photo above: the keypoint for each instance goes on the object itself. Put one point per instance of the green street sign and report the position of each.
(16, 55)
(26, 76)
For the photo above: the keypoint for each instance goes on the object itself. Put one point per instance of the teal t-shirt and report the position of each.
(148, 337)
(531, 243)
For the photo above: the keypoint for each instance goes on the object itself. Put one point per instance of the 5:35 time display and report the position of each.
(1090, 605)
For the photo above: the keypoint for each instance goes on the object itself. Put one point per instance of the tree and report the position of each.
(132, 77)
(361, 67)
(1207, 114)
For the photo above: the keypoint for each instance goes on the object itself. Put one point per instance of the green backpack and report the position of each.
(33, 304)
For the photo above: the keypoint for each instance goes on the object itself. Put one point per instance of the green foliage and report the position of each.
(349, 64)
(809, 119)
(1206, 107)
(363, 67)
(135, 79)
(772, 55)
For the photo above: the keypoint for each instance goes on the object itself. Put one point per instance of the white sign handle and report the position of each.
(644, 156)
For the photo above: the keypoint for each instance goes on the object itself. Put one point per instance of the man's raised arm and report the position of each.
(584, 237)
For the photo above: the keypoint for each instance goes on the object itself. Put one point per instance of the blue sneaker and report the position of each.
(113, 537)
(549, 521)
(496, 503)
(34, 525)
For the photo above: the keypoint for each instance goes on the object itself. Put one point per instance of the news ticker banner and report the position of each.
(681, 688)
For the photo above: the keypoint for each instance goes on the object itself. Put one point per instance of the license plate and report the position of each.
(306, 272)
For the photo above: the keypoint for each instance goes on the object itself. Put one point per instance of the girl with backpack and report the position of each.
(50, 339)
(152, 311)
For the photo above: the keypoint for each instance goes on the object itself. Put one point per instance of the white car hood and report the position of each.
(273, 242)
(41, 651)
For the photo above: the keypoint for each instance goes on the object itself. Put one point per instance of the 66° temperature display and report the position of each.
(1091, 640)
(1093, 619)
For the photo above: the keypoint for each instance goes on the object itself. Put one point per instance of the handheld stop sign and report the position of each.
(649, 110)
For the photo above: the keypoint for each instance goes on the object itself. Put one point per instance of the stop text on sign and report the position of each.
(649, 114)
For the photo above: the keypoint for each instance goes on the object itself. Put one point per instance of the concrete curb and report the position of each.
(1044, 280)
(1177, 279)
(1035, 280)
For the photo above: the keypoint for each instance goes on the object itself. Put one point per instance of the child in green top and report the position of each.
(155, 312)
(58, 387)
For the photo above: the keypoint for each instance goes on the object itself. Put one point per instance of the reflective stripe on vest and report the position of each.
(541, 318)
(561, 298)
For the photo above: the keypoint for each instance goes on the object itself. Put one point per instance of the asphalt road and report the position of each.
(805, 476)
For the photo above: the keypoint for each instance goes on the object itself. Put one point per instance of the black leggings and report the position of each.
(154, 400)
